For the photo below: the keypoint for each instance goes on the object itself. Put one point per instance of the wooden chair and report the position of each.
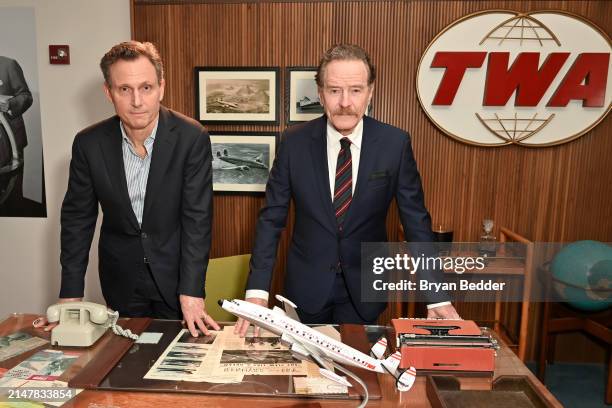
(506, 235)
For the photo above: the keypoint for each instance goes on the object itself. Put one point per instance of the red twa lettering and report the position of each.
(586, 80)
(455, 63)
(524, 77)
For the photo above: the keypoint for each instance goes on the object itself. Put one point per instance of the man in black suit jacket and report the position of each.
(15, 99)
(149, 169)
(370, 163)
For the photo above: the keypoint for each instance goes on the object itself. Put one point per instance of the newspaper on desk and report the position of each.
(16, 343)
(41, 370)
(224, 357)
(46, 365)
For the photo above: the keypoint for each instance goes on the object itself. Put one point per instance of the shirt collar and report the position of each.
(148, 141)
(333, 136)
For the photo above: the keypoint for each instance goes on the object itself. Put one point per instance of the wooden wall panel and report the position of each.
(560, 193)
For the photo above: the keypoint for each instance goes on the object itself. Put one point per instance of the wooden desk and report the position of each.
(507, 363)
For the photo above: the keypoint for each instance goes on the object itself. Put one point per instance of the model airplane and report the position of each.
(308, 343)
(240, 163)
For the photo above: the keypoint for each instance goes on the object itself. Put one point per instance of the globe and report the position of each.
(582, 275)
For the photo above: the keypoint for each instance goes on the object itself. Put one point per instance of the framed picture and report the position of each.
(242, 160)
(301, 95)
(237, 95)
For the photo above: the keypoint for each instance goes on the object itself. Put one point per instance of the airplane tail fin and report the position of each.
(378, 349)
(406, 380)
(392, 362)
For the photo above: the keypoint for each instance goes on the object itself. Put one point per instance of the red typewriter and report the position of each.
(444, 345)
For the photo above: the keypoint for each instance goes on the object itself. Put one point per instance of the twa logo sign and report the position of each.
(498, 77)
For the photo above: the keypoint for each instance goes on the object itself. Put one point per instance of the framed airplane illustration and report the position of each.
(242, 160)
(237, 95)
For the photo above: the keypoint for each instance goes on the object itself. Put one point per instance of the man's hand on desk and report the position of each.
(42, 322)
(195, 316)
(242, 325)
(443, 312)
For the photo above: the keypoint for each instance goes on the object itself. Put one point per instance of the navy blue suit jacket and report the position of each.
(387, 170)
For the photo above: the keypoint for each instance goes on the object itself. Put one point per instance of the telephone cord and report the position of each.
(118, 330)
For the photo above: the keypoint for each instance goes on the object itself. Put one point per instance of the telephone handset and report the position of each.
(81, 324)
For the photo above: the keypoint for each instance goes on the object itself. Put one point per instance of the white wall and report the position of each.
(71, 98)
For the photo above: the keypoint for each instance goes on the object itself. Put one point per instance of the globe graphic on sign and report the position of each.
(523, 29)
(582, 275)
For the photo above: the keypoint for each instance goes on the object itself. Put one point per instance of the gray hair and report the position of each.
(345, 52)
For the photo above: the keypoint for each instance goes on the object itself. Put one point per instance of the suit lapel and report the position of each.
(163, 149)
(113, 155)
(367, 158)
(318, 150)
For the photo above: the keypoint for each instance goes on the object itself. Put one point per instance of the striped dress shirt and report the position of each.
(137, 171)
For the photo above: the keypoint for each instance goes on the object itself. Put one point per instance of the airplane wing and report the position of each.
(241, 168)
(303, 354)
(329, 331)
(306, 352)
(326, 366)
(289, 307)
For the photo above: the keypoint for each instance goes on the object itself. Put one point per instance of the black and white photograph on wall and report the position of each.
(242, 160)
(301, 95)
(237, 95)
(22, 184)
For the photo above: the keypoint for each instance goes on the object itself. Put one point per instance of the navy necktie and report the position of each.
(343, 190)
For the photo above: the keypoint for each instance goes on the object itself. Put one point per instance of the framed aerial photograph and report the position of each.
(242, 160)
(301, 95)
(237, 95)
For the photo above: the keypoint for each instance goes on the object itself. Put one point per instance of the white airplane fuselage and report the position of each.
(277, 322)
(242, 162)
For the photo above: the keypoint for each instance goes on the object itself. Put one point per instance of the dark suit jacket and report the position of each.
(387, 170)
(13, 83)
(176, 225)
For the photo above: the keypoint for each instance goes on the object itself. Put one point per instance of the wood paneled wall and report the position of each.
(561, 193)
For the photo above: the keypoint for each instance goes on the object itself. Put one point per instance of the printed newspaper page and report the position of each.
(16, 343)
(224, 357)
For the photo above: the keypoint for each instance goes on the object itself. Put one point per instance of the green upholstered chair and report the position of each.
(225, 279)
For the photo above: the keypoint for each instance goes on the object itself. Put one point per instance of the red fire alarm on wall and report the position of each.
(59, 54)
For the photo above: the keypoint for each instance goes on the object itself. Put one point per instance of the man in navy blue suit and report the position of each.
(342, 170)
